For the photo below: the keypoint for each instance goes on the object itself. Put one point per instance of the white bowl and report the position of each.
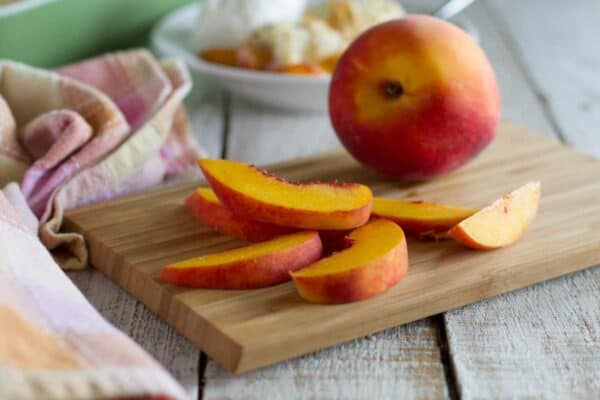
(171, 37)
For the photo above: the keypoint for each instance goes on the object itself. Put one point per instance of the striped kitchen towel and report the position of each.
(90, 132)
(53, 344)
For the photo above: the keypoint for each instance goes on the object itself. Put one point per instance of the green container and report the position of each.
(48, 33)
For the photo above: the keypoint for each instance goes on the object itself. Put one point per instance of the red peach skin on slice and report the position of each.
(204, 205)
(255, 266)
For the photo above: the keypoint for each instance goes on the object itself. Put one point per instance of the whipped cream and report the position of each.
(325, 29)
(227, 23)
(308, 40)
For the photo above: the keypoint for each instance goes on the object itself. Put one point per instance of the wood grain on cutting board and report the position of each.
(243, 330)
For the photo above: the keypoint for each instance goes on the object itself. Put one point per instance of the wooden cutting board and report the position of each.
(131, 239)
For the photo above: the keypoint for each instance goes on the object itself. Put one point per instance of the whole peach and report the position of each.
(414, 98)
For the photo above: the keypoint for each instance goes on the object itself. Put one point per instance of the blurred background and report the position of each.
(49, 33)
(543, 44)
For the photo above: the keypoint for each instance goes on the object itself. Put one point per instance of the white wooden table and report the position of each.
(539, 342)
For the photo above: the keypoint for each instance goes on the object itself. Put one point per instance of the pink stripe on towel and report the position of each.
(101, 128)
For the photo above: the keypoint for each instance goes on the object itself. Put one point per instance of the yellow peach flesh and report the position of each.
(418, 210)
(208, 195)
(369, 242)
(502, 222)
(419, 217)
(320, 197)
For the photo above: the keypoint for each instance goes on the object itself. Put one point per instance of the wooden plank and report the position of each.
(263, 135)
(404, 360)
(171, 349)
(539, 342)
(207, 120)
(557, 44)
(243, 330)
(519, 101)
(542, 341)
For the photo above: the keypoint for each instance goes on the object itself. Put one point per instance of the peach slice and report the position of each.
(220, 56)
(502, 222)
(419, 217)
(254, 193)
(375, 261)
(253, 56)
(254, 266)
(204, 205)
(302, 69)
(328, 64)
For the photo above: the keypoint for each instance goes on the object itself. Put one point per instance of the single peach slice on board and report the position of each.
(419, 217)
(502, 222)
(256, 194)
(255, 266)
(204, 205)
(374, 262)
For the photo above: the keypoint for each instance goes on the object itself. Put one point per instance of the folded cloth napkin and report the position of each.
(90, 132)
(53, 344)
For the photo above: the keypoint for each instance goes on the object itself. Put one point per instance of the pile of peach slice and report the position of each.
(292, 223)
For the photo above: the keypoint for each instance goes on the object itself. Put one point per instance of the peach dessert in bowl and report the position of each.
(281, 39)
(276, 53)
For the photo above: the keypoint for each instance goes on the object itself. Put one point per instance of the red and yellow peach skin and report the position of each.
(414, 98)
(204, 205)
